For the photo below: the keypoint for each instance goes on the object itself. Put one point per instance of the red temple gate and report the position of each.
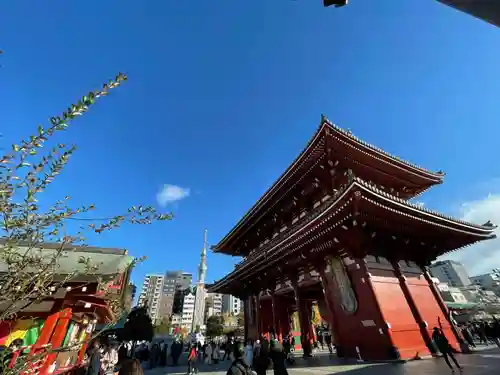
(338, 228)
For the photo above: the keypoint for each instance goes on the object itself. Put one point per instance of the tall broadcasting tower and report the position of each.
(202, 268)
(199, 302)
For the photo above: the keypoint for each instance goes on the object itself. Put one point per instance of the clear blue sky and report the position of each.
(223, 94)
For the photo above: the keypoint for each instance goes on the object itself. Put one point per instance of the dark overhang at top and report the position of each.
(486, 10)
(391, 164)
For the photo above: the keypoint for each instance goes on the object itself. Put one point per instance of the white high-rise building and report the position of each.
(151, 295)
(231, 304)
(213, 304)
(451, 272)
(489, 281)
(188, 311)
(159, 291)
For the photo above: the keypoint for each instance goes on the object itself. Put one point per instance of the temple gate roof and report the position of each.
(360, 210)
(330, 138)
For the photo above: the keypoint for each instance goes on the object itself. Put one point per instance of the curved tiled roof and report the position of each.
(272, 189)
(484, 231)
(362, 146)
(487, 227)
(437, 175)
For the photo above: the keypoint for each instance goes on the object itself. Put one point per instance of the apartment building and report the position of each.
(188, 311)
(213, 304)
(231, 304)
(450, 272)
(174, 282)
(151, 294)
(159, 293)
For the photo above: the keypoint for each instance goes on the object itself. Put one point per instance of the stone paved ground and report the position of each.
(486, 362)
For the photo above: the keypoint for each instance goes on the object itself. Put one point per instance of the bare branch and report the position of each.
(29, 271)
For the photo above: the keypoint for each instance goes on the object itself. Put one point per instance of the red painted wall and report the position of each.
(429, 307)
(404, 329)
(349, 331)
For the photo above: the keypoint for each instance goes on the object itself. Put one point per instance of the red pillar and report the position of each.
(276, 316)
(328, 293)
(256, 304)
(251, 318)
(83, 349)
(42, 341)
(266, 316)
(246, 318)
(283, 313)
(57, 338)
(305, 320)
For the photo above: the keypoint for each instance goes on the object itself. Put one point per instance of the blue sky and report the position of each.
(223, 94)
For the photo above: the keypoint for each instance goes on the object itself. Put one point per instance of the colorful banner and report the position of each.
(5, 329)
(19, 331)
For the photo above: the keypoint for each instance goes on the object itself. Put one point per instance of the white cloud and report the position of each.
(484, 256)
(171, 193)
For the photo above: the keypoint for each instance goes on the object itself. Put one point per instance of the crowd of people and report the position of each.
(483, 332)
(159, 354)
(324, 337)
(254, 357)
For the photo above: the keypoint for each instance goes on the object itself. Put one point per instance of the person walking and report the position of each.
(162, 354)
(176, 351)
(229, 348)
(468, 336)
(109, 359)
(319, 333)
(328, 340)
(249, 352)
(94, 355)
(192, 358)
(122, 353)
(240, 365)
(444, 347)
(278, 357)
(260, 357)
(208, 353)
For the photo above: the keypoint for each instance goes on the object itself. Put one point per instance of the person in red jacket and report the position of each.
(192, 358)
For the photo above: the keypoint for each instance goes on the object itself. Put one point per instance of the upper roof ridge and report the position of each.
(325, 125)
(349, 134)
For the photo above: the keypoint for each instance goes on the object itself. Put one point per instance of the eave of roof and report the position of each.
(107, 261)
(483, 228)
(436, 177)
(484, 231)
(69, 247)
